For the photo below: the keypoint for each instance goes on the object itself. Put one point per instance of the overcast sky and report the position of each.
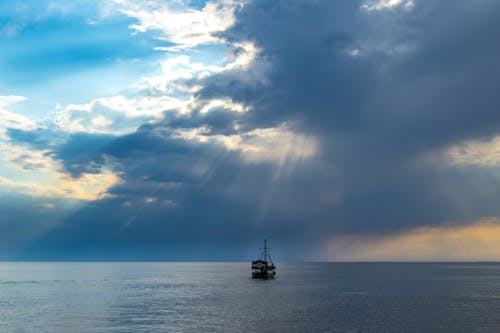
(191, 130)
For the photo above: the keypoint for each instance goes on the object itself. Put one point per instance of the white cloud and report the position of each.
(180, 74)
(22, 157)
(278, 145)
(114, 115)
(484, 153)
(182, 26)
(9, 119)
(225, 104)
(377, 5)
(173, 71)
(353, 52)
(6, 101)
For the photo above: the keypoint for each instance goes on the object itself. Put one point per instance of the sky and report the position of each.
(348, 130)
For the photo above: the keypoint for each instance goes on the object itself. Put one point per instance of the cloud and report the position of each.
(114, 115)
(471, 242)
(314, 127)
(37, 163)
(278, 145)
(377, 5)
(483, 153)
(33, 171)
(9, 119)
(183, 28)
(153, 98)
(25, 158)
(36, 174)
(373, 116)
(5, 101)
(87, 187)
(179, 73)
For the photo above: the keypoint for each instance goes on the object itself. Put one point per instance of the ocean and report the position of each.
(221, 297)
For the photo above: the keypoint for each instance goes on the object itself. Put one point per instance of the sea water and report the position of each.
(221, 297)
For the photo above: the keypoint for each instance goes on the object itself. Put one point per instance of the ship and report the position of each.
(264, 268)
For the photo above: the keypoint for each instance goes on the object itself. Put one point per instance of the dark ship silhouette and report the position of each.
(264, 268)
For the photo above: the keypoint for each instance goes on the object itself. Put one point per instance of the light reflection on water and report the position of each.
(221, 297)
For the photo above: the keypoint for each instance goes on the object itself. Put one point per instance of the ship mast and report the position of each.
(265, 255)
(265, 249)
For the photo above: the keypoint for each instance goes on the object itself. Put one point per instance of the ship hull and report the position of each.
(263, 276)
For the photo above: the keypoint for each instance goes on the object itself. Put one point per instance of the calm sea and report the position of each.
(221, 297)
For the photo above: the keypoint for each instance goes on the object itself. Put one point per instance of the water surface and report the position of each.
(221, 297)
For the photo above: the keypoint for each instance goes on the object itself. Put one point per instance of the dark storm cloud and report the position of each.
(426, 74)
(420, 81)
(79, 152)
(83, 153)
(423, 80)
(217, 121)
(33, 138)
(177, 193)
